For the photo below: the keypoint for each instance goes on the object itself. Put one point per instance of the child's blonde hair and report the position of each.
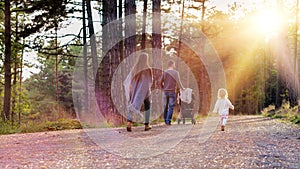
(222, 93)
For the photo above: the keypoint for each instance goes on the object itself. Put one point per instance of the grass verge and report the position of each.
(285, 113)
(34, 126)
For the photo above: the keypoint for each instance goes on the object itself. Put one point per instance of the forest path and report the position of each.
(248, 142)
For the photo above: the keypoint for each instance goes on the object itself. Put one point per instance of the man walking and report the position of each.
(170, 80)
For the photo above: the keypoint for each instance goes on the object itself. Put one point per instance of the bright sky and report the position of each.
(74, 27)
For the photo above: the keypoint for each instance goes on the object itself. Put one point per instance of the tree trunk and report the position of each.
(120, 30)
(20, 85)
(15, 60)
(157, 57)
(204, 91)
(144, 24)
(7, 62)
(56, 73)
(121, 51)
(156, 42)
(92, 37)
(202, 15)
(111, 58)
(14, 88)
(180, 31)
(285, 87)
(85, 58)
(296, 75)
(130, 28)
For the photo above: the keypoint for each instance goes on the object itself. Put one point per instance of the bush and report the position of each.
(285, 112)
(63, 124)
(34, 126)
(7, 128)
(31, 127)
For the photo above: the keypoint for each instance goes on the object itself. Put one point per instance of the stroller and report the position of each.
(186, 106)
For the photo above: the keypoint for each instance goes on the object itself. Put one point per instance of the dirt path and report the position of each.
(248, 142)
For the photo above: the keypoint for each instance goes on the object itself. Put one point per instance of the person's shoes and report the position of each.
(129, 125)
(222, 128)
(147, 127)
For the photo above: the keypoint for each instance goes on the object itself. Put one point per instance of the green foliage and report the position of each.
(37, 126)
(295, 119)
(285, 112)
(63, 124)
(45, 15)
(8, 128)
(31, 127)
(41, 87)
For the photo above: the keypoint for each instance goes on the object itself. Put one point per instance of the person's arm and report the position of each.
(162, 80)
(179, 82)
(216, 107)
(230, 104)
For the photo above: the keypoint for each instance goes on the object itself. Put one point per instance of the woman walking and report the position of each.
(140, 81)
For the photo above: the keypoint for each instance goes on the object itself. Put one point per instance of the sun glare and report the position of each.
(267, 22)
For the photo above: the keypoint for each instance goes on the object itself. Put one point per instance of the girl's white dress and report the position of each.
(222, 107)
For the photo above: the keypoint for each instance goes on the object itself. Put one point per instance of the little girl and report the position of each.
(222, 107)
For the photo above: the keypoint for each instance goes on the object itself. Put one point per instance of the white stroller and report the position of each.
(186, 106)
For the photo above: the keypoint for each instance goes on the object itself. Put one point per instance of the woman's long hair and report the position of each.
(142, 63)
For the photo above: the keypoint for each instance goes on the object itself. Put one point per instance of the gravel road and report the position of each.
(248, 142)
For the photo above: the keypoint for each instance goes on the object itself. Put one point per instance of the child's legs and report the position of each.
(221, 120)
(224, 121)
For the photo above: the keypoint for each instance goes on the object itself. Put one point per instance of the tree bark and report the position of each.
(181, 29)
(296, 75)
(285, 80)
(130, 28)
(111, 54)
(85, 57)
(92, 37)
(20, 85)
(121, 51)
(15, 73)
(57, 93)
(144, 24)
(204, 87)
(156, 42)
(156, 52)
(7, 62)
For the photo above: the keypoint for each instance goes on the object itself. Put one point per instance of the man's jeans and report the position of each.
(169, 104)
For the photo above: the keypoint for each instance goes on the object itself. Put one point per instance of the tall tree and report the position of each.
(285, 86)
(144, 24)
(92, 37)
(156, 52)
(111, 56)
(130, 27)
(203, 90)
(85, 57)
(15, 59)
(296, 74)
(7, 62)
(45, 15)
(156, 40)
